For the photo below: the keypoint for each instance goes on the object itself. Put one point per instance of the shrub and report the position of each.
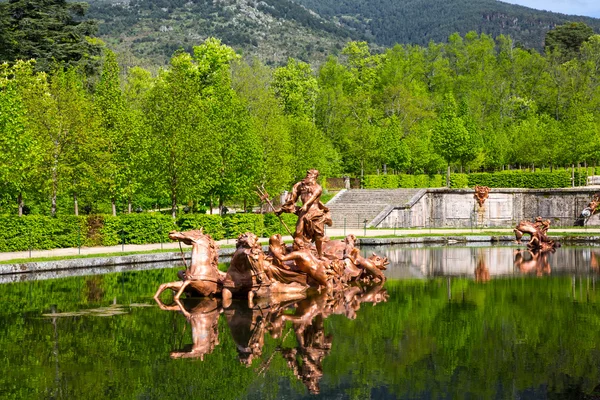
(272, 225)
(381, 182)
(458, 181)
(406, 181)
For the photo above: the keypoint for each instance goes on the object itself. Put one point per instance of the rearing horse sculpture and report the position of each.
(202, 275)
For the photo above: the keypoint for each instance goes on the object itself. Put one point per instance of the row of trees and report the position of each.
(212, 126)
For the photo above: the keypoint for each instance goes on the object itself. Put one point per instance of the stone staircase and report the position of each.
(354, 206)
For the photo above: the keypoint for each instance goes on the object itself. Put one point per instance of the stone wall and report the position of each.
(442, 208)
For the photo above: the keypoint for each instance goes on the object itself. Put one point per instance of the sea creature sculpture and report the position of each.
(537, 231)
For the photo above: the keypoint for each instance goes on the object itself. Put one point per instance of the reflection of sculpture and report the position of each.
(482, 272)
(202, 276)
(298, 314)
(203, 316)
(536, 262)
(537, 230)
(313, 215)
(481, 194)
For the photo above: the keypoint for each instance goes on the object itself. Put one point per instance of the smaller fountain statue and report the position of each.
(592, 208)
(537, 230)
(481, 194)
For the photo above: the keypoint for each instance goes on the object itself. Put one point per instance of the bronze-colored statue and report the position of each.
(313, 215)
(306, 262)
(592, 208)
(481, 194)
(252, 273)
(537, 231)
(202, 277)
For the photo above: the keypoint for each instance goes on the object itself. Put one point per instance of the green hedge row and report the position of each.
(533, 180)
(42, 232)
(403, 181)
(503, 179)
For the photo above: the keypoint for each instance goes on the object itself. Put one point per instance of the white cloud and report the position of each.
(589, 8)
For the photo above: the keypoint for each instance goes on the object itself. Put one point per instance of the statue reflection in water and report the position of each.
(301, 314)
(532, 261)
(203, 316)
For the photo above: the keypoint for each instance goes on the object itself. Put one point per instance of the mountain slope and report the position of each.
(147, 32)
(418, 21)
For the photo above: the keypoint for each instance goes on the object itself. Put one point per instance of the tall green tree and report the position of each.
(64, 119)
(567, 39)
(18, 143)
(122, 144)
(252, 83)
(49, 31)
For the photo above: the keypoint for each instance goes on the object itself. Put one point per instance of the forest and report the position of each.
(88, 136)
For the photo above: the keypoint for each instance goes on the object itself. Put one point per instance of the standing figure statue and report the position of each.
(313, 215)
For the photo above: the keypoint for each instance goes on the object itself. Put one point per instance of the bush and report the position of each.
(41, 232)
(525, 179)
(406, 181)
(459, 181)
(381, 182)
(212, 224)
(272, 225)
(236, 224)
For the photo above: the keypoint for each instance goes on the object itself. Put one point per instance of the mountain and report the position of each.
(388, 22)
(147, 32)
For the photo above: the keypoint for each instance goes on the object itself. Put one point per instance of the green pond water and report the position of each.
(450, 323)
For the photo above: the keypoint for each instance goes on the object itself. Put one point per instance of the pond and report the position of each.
(451, 322)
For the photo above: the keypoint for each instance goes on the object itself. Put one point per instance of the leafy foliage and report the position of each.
(50, 31)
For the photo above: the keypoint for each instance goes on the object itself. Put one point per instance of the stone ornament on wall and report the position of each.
(481, 194)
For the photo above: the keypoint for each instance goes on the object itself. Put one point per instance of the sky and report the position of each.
(590, 8)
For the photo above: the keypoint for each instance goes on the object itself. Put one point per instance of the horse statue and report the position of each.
(537, 231)
(202, 277)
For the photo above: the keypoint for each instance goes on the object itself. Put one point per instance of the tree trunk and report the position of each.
(211, 205)
(245, 205)
(129, 206)
(75, 204)
(573, 175)
(220, 205)
(448, 176)
(114, 207)
(53, 203)
(173, 205)
(20, 203)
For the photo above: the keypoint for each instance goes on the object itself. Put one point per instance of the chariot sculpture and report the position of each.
(311, 261)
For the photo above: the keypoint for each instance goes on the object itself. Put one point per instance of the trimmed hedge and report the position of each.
(503, 179)
(41, 232)
(459, 181)
(525, 179)
(272, 225)
(381, 181)
(404, 181)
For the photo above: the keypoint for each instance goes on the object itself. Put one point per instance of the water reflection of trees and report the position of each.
(301, 315)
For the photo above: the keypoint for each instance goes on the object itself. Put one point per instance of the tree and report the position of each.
(252, 84)
(49, 31)
(63, 117)
(567, 39)
(454, 137)
(120, 135)
(18, 144)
